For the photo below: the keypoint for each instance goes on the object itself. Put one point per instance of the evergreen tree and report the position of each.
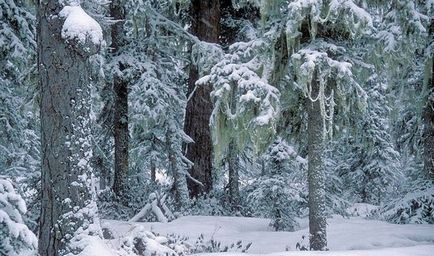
(17, 239)
(281, 192)
(19, 153)
(377, 174)
(205, 25)
(19, 130)
(68, 211)
(120, 88)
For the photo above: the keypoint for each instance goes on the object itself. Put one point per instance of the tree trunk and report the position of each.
(180, 192)
(67, 207)
(205, 25)
(316, 177)
(120, 119)
(103, 157)
(234, 191)
(428, 118)
(153, 172)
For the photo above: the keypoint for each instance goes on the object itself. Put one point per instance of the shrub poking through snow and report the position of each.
(303, 244)
(142, 242)
(203, 245)
(16, 238)
(209, 205)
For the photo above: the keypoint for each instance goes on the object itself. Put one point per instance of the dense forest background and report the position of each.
(263, 108)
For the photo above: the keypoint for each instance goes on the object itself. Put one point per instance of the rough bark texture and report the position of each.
(65, 135)
(316, 176)
(120, 119)
(205, 25)
(428, 119)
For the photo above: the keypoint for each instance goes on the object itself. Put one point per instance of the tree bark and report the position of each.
(179, 189)
(120, 119)
(234, 190)
(153, 172)
(67, 207)
(428, 118)
(205, 25)
(316, 176)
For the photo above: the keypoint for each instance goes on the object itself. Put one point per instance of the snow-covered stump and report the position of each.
(67, 38)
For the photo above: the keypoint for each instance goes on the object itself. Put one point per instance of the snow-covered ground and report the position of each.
(361, 236)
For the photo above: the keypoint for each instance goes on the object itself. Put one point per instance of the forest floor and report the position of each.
(346, 236)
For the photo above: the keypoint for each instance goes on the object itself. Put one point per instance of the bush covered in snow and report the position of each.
(142, 242)
(203, 245)
(16, 238)
(415, 207)
(281, 193)
(209, 205)
(139, 189)
(276, 198)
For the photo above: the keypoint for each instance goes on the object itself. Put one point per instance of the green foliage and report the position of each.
(281, 193)
(17, 239)
(246, 106)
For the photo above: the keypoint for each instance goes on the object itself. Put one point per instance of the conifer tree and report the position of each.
(68, 211)
(120, 88)
(205, 25)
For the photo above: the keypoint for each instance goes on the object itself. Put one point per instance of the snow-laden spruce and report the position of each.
(16, 238)
(246, 106)
(280, 193)
(19, 124)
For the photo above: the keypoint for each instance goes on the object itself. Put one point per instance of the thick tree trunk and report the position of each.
(316, 176)
(205, 25)
(120, 119)
(428, 119)
(67, 207)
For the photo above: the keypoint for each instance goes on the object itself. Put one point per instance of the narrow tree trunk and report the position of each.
(234, 191)
(205, 25)
(180, 192)
(316, 177)
(120, 118)
(104, 144)
(428, 129)
(153, 172)
(428, 119)
(67, 207)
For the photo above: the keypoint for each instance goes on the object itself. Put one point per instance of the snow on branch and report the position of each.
(353, 18)
(331, 75)
(156, 205)
(16, 237)
(246, 106)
